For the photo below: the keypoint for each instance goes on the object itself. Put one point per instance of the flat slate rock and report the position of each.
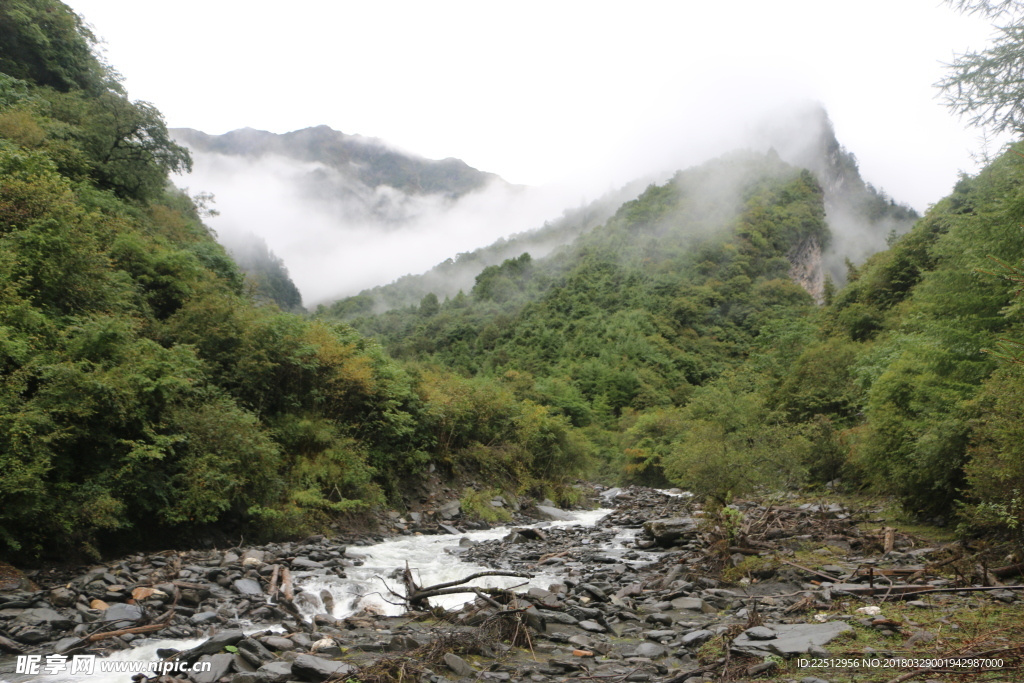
(699, 637)
(220, 666)
(248, 587)
(692, 604)
(306, 563)
(791, 639)
(212, 646)
(122, 615)
(761, 633)
(275, 672)
(459, 666)
(650, 650)
(319, 669)
(43, 616)
(669, 531)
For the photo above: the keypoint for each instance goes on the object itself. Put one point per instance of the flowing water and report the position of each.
(365, 587)
(369, 586)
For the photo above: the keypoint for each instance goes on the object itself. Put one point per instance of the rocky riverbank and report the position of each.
(657, 590)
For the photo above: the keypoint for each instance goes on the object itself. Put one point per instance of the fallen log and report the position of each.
(1006, 572)
(902, 571)
(424, 594)
(286, 584)
(860, 589)
(827, 577)
(474, 577)
(417, 596)
(911, 590)
(272, 590)
(125, 631)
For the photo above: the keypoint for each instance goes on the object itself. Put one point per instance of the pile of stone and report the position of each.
(637, 598)
(187, 593)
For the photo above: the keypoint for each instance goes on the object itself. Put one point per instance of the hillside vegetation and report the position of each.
(143, 394)
(675, 339)
(147, 392)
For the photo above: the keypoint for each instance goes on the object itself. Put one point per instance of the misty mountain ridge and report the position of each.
(360, 178)
(861, 219)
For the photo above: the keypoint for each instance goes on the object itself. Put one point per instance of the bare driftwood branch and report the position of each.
(415, 596)
(125, 631)
(961, 590)
(425, 593)
(827, 577)
(474, 577)
(272, 591)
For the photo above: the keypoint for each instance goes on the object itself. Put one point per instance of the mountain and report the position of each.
(861, 218)
(147, 394)
(687, 336)
(361, 178)
(266, 273)
(453, 275)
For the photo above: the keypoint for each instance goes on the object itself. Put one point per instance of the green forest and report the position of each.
(148, 388)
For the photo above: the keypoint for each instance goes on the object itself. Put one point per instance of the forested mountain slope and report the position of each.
(143, 394)
(675, 338)
(862, 218)
(642, 307)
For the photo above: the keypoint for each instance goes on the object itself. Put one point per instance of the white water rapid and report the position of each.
(367, 586)
(364, 587)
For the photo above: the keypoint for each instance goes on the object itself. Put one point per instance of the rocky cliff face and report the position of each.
(860, 216)
(806, 268)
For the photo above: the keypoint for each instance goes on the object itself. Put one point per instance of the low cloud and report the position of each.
(338, 236)
(339, 244)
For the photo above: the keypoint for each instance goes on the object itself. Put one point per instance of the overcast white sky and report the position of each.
(586, 93)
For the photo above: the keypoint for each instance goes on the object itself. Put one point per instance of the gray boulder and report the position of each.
(248, 587)
(212, 646)
(791, 639)
(697, 638)
(122, 615)
(33, 635)
(45, 618)
(650, 650)
(450, 510)
(592, 626)
(319, 669)
(692, 604)
(669, 532)
(459, 666)
(63, 597)
(306, 563)
(254, 652)
(275, 672)
(761, 633)
(279, 643)
(69, 644)
(220, 666)
(203, 618)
